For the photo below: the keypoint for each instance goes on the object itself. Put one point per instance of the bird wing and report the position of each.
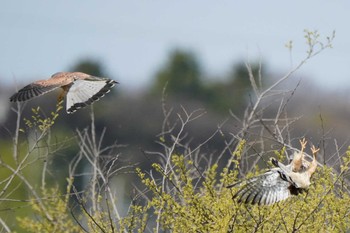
(35, 89)
(265, 189)
(84, 92)
(41, 87)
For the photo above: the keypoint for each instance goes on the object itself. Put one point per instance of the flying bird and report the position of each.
(280, 182)
(80, 89)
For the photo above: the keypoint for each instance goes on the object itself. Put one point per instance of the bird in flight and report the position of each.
(280, 182)
(80, 89)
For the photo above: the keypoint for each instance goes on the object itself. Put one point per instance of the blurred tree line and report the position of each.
(182, 77)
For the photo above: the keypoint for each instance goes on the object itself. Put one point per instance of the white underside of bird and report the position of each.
(84, 92)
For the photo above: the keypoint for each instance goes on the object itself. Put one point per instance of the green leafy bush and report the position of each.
(205, 205)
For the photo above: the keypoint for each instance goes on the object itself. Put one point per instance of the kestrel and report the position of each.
(79, 88)
(280, 182)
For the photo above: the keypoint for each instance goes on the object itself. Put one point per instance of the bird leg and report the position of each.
(303, 143)
(313, 165)
(299, 157)
(314, 151)
(62, 94)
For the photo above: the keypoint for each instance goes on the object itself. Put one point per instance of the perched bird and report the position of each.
(79, 88)
(280, 182)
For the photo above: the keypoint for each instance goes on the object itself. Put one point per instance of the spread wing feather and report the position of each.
(264, 189)
(33, 90)
(84, 92)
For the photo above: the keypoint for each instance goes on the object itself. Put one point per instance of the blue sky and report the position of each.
(133, 38)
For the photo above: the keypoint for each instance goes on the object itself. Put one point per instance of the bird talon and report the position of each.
(303, 144)
(314, 150)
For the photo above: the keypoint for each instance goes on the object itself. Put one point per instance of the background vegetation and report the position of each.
(160, 160)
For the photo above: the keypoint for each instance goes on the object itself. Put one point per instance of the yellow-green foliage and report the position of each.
(186, 200)
(38, 120)
(189, 205)
(135, 220)
(21, 161)
(52, 216)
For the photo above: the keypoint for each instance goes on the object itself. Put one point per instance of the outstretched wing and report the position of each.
(84, 92)
(41, 87)
(35, 89)
(264, 189)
